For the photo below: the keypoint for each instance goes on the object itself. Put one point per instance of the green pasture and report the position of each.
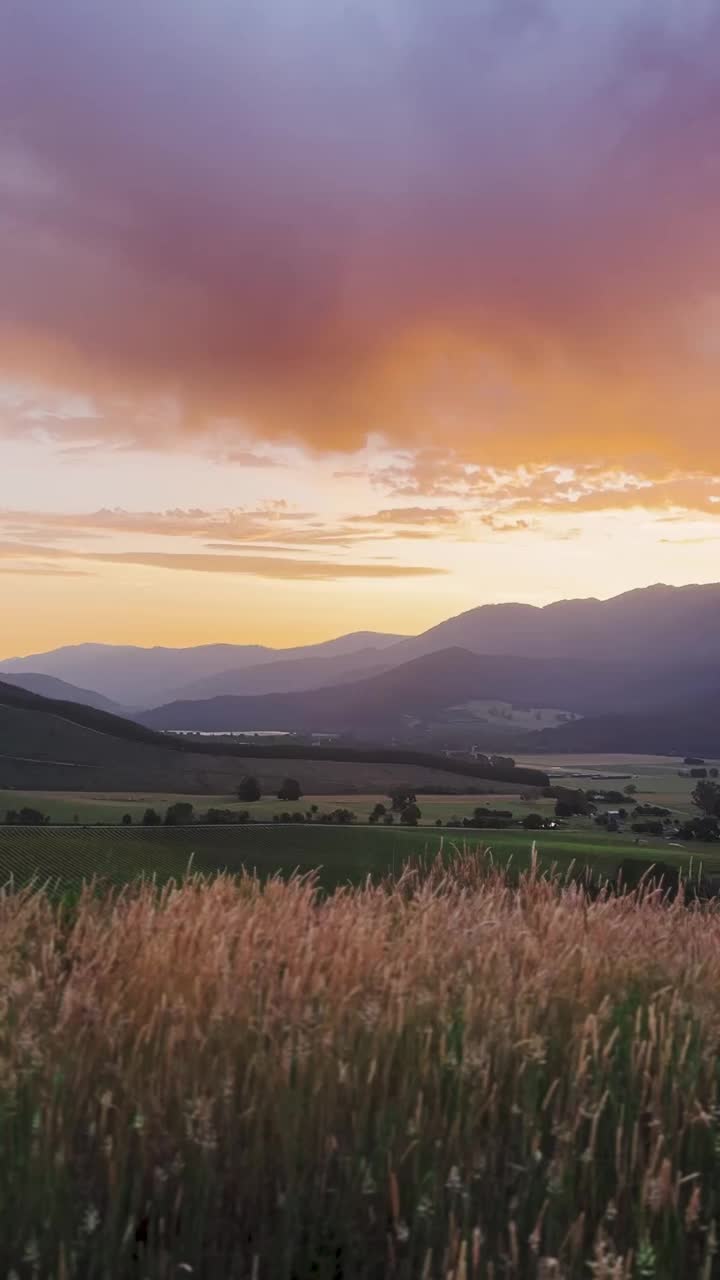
(340, 854)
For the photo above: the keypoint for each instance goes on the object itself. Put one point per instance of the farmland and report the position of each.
(656, 778)
(339, 854)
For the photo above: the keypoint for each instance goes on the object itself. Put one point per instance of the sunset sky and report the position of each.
(320, 315)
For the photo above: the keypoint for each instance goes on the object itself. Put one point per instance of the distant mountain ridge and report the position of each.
(429, 690)
(658, 634)
(136, 676)
(667, 624)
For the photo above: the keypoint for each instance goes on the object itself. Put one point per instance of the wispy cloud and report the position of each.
(258, 566)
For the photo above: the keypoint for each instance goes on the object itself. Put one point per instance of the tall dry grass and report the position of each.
(442, 1077)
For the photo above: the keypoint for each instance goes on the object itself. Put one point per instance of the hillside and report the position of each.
(431, 691)
(51, 745)
(677, 728)
(52, 687)
(290, 675)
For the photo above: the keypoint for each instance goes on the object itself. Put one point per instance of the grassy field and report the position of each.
(339, 854)
(443, 1077)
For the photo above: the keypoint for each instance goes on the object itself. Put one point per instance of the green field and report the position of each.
(340, 854)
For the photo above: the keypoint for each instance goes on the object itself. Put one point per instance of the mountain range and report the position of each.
(642, 667)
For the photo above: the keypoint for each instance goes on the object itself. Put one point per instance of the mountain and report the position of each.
(661, 624)
(292, 675)
(51, 687)
(429, 689)
(136, 676)
(675, 728)
(56, 745)
(667, 624)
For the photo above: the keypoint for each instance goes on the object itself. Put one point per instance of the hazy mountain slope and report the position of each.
(292, 675)
(51, 687)
(136, 676)
(680, 728)
(427, 687)
(658, 623)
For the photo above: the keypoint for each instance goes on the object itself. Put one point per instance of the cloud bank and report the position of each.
(494, 224)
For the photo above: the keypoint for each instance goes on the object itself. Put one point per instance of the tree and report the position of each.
(26, 817)
(400, 798)
(707, 797)
(249, 790)
(127, 820)
(706, 829)
(151, 818)
(713, 772)
(410, 815)
(378, 812)
(630, 789)
(290, 790)
(388, 820)
(179, 814)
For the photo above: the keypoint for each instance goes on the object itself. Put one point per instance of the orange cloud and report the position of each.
(495, 226)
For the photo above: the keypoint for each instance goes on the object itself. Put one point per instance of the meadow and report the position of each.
(438, 1076)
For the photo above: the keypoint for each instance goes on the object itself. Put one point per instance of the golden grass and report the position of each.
(441, 1077)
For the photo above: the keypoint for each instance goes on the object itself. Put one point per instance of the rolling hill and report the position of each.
(52, 687)
(52, 745)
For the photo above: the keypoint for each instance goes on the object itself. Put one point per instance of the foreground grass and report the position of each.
(439, 1076)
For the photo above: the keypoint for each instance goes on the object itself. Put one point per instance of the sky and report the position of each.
(323, 315)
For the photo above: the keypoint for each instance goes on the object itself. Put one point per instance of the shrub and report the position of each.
(249, 790)
(533, 821)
